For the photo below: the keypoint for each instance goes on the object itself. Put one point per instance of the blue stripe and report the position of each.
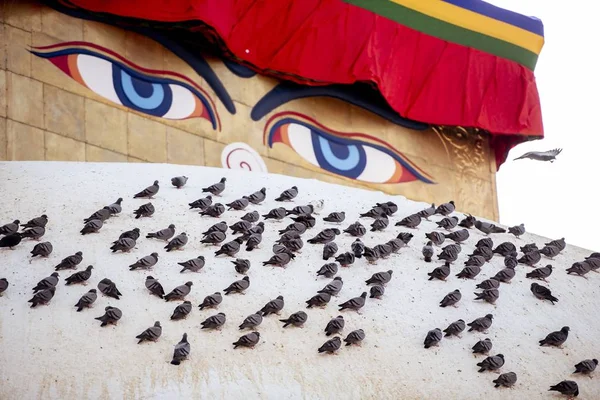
(531, 24)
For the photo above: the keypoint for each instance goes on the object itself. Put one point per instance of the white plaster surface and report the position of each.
(54, 352)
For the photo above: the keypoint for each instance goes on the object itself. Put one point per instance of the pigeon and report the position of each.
(451, 299)
(489, 284)
(3, 285)
(111, 316)
(446, 208)
(358, 248)
(279, 260)
(389, 207)
(146, 262)
(448, 223)
(109, 288)
(193, 265)
(288, 194)
(102, 214)
(257, 197)
(453, 247)
(256, 238)
(345, 259)
(505, 249)
(132, 234)
(48, 282)
(540, 273)
(154, 286)
(214, 238)
(593, 263)
(374, 212)
(163, 234)
(542, 293)
(436, 238)
(202, 203)
(80, 277)
(550, 251)
(124, 245)
(376, 292)
(329, 250)
(531, 258)
(240, 227)
(177, 243)
(567, 388)
(35, 233)
(333, 287)
(182, 350)
(440, 273)
(335, 325)
(510, 262)
(580, 268)
(238, 204)
(505, 275)
(42, 297)
(355, 303)
(328, 270)
(238, 286)
(481, 324)
(182, 311)
(491, 363)
(298, 227)
(296, 319)
(488, 228)
(482, 346)
(560, 243)
(151, 334)
(412, 221)
(318, 300)
(179, 181)
(427, 251)
(248, 340)
(214, 322)
(40, 221)
(355, 337)
(556, 338)
(306, 219)
(252, 321)
(517, 230)
(325, 236)
(10, 228)
(396, 244)
(276, 214)
(380, 224)
(433, 338)
(485, 252)
(549, 155)
(529, 247)
(300, 210)
(211, 301)
(336, 217)
(145, 210)
(281, 249)
(475, 261)
(42, 249)
(488, 295)
(179, 292)
(467, 222)
(91, 226)
(251, 217)
(586, 366)
(485, 242)
(458, 236)
(115, 208)
(593, 255)
(215, 210)
(427, 212)
(449, 254)
(383, 250)
(86, 300)
(148, 192)
(331, 346)
(356, 229)
(380, 278)
(216, 189)
(258, 228)
(455, 328)
(469, 272)
(273, 307)
(371, 254)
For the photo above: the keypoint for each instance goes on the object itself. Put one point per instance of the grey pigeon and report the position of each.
(451, 299)
(371, 254)
(593, 263)
(300, 210)
(193, 265)
(9, 228)
(109, 288)
(529, 247)
(182, 350)
(293, 245)
(380, 278)
(560, 243)
(182, 311)
(586, 366)
(288, 194)
(252, 216)
(102, 214)
(358, 248)
(211, 301)
(124, 245)
(510, 262)
(427, 251)
(80, 277)
(396, 244)
(256, 238)
(579, 268)
(3, 285)
(296, 319)
(488, 295)
(276, 213)
(333, 287)
(356, 229)
(214, 238)
(151, 334)
(115, 208)
(540, 273)
(329, 250)
(258, 228)
(487, 227)
(336, 217)
(467, 222)
(485, 242)
(355, 303)
(383, 250)
(427, 212)
(446, 208)
(436, 238)
(549, 155)
(489, 284)
(258, 197)
(325, 236)
(517, 230)
(238, 286)
(242, 265)
(567, 388)
(440, 273)
(505, 275)
(273, 307)
(252, 321)
(491, 363)
(279, 259)
(215, 210)
(355, 337)
(484, 251)
(111, 316)
(550, 251)
(240, 227)
(469, 272)
(449, 254)
(531, 258)
(91, 226)
(214, 322)
(335, 325)
(481, 324)
(345, 259)
(34, 233)
(331, 346)
(328, 270)
(542, 293)
(281, 249)
(412, 221)
(163, 234)
(298, 227)
(179, 292)
(556, 338)
(42, 297)
(248, 340)
(132, 234)
(238, 204)
(475, 261)
(376, 292)
(482, 346)
(145, 210)
(318, 300)
(217, 188)
(154, 286)
(179, 181)
(149, 191)
(380, 224)
(42, 249)
(448, 223)
(458, 236)
(202, 203)
(389, 207)
(41, 221)
(307, 219)
(177, 243)
(86, 300)
(146, 262)
(374, 212)
(230, 248)
(433, 338)
(49, 281)
(455, 328)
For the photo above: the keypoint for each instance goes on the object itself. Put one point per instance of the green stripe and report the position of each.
(446, 31)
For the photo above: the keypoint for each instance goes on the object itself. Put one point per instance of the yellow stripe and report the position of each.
(476, 22)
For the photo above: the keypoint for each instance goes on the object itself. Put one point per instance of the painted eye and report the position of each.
(355, 156)
(161, 94)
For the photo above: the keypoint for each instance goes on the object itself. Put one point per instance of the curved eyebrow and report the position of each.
(238, 69)
(369, 100)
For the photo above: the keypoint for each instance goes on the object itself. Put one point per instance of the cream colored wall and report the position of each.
(46, 115)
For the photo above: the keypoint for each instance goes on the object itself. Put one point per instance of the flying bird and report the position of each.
(549, 155)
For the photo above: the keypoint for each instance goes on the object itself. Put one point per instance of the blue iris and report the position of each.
(140, 94)
(335, 156)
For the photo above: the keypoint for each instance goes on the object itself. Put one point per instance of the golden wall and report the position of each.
(49, 114)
